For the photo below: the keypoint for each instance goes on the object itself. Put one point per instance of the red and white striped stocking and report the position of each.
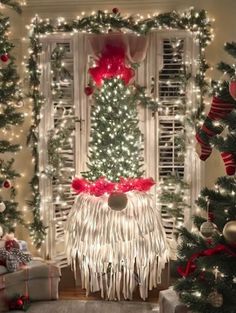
(203, 149)
(230, 162)
(218, 111)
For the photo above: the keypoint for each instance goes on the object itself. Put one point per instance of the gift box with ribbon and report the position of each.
(39, 280)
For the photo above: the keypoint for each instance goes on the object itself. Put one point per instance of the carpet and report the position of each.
(79, 306)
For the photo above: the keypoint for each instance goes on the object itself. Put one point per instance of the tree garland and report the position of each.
(37, 229)
(193, 21)
(59, 138)
(11, 97)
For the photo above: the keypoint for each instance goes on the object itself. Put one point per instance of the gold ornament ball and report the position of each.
(117, 201)
(215, 299)
(229, 232)
(207, 229)
(2, 207)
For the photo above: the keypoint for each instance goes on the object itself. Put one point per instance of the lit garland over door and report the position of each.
(170, 56)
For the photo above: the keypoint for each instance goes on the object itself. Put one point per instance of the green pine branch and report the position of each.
(230, 48)
(6, 146)
(10, 96)
(10, 117)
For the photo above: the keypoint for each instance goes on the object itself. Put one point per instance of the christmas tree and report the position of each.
(207, 257)
(115, 136)
(115, 147)
(10, 98)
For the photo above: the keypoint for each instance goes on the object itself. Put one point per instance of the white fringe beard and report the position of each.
(116, 250)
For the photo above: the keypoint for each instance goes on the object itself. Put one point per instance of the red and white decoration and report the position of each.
(218, 111)
(116, 250)
(230, 162)
(114, 234)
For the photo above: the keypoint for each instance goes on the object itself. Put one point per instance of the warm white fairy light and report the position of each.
(62, 22)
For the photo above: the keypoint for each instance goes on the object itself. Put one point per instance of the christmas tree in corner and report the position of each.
(207, 259)
(10, 98)
(113, 229)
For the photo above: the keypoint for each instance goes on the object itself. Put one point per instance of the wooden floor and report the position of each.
(69, 291)
(80, 294)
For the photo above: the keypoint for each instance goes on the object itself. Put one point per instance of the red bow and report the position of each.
(191, 266)
(111, 64)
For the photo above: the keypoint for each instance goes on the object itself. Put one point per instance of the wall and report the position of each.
(224, 29)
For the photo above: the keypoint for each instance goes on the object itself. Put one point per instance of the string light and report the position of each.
(196, 23)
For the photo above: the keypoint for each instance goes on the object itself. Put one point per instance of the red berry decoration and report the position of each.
(6, 184)
(211, 216)
(115, 10)
(19, 303)
(4, 57)
(88, 90)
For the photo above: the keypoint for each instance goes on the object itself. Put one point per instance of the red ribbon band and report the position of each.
(191, 266)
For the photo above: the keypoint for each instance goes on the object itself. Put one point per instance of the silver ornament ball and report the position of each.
(2, 206)
(207, 229)
(215, 299)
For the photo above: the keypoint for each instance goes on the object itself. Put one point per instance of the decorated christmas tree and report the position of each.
(207, 256)
(10, 99)
(116, 138)
(115, 147)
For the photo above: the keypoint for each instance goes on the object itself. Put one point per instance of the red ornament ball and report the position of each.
(115, 10)
(4, 57)
(19, 303)
(232, 89)
(88, 90)
(6, 184)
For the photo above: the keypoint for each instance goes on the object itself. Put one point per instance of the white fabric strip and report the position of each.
(116, 250)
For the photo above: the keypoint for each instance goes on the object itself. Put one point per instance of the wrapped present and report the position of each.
(39, 280)
(23, 245)
(169, 302)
